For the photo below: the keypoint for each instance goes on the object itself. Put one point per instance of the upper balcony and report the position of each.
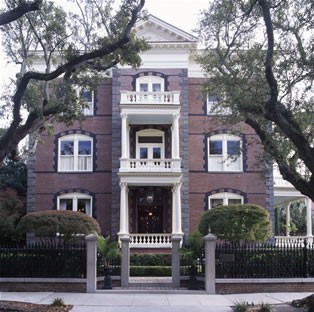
(150, 165)
(279, 182)
(150, 98)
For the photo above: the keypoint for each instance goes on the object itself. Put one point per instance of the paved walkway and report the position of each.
(154, 301)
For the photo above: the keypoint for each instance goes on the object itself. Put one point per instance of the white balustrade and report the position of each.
(280, 182)
(290, 241)
(150, 240)
(132, 97)
(150, 165)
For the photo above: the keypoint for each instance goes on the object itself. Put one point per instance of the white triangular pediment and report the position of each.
(156, 30)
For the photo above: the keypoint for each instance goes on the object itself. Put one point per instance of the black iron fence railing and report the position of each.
(264, 261)
(232, 261)
(114, 265)
(43, 261)
(192, 265)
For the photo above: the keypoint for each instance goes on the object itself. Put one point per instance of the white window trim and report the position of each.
(150, 132)
(225, 196)
(75, 197)
(150, 80)
(225, 161)
(88, 110)
(75, 138)
(213, 110)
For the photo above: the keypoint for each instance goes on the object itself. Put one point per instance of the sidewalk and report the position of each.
(137, 301)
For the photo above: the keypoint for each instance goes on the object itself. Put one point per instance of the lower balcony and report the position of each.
(150, 165)
(293, 241)
(150, 240)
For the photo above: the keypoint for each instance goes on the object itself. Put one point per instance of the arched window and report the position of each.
(75, 153)
(225, 153)
(150, 88)
(75, 202)
(224, 198)
(150, 84)
(150, 144)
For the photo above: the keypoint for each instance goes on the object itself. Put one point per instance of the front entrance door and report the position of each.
(150, 219)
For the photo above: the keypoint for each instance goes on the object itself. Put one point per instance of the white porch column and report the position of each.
(176, 209)
(124, 137)
(124, 209)
(175, 148)
(309, 217)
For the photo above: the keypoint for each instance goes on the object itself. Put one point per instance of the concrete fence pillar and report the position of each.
(210, 263)
(125, 260)
(91, 271)
(175, 260)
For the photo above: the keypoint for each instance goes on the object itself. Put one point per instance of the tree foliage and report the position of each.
(78, 47)
(245, 222)
(12, 208)
(56, 224)
(13, 174)
(195, 244)
(259, 60)
(13, 186)
(21, 8)
(107, 248)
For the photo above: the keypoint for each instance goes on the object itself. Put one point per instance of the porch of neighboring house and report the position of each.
(293, 214)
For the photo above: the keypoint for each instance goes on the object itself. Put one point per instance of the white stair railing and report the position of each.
(150, 240)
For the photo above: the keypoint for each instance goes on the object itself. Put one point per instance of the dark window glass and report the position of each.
(87, 95)
(234, 201)
(67, 147)
(84, 147)
(150, 139)
(143, 153)
(156, 87)
(143, 87)
(213, 99)
(66, 203)
(81, 205)
(233, 147)
(156, 153)
(216, 202)
(215, 147)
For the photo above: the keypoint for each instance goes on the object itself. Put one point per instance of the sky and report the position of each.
(183, 14)
(180, 13)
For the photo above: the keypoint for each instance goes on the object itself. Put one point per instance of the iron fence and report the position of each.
(264, 261)
(192, 265)
(43, 261)
(114, 265)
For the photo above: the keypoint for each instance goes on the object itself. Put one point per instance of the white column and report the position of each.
(175, 149)
(124, 209)
(124, 137)
(309, 217)
(176, 209)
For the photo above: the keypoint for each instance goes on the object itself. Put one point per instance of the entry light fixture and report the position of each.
(150, 197)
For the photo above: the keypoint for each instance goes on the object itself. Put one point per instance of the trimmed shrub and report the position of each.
(237, 222)
(150, 259)
(150, 270)
(47, 224)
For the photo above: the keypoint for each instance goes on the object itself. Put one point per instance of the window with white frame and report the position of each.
(224, 153)
(213, 107)
(150, 87)
(87, 96)
(75, 153)
(150, 144)
(224, 199)
(75, 202)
